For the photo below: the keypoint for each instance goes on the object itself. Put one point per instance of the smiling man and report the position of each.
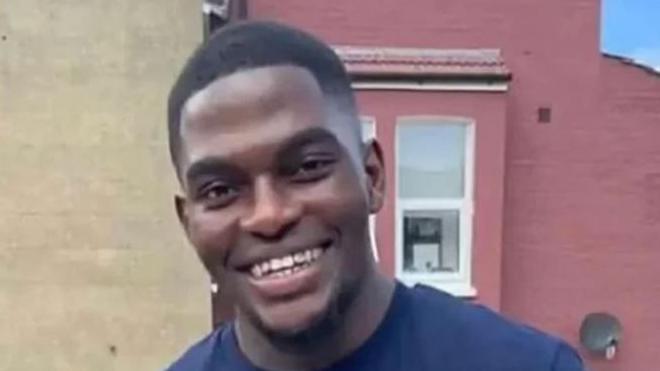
(277, 187)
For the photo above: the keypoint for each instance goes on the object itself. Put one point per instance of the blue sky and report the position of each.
(632, 28)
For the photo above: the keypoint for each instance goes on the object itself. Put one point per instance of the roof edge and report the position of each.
(418, 63)
(631, 62)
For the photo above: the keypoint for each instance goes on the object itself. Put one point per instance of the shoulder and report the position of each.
(198, 356)
(476, 335)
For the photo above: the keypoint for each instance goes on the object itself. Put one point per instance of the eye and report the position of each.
(313, 168)
(217, 194)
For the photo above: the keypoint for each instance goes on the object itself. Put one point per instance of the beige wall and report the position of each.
(91, 256)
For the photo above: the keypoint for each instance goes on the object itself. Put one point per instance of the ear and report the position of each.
(181, 212)
(374, 167)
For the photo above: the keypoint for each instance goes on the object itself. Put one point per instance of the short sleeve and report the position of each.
(567, 359)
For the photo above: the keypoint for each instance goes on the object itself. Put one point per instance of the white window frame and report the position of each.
(457, 283)
(371, 121)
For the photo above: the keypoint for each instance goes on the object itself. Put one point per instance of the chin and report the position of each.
(292, 321)
(295, 321)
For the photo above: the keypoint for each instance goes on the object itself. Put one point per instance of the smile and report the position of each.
(286, 265)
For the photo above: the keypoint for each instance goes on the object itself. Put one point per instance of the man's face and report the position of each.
(276, 198)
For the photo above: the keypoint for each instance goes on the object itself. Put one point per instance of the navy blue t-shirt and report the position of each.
(424, 329)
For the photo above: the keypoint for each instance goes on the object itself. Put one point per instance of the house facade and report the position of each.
(523, 163)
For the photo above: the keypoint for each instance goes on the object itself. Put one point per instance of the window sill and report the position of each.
(458, 289)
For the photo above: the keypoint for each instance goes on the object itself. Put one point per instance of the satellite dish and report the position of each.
(600, 333)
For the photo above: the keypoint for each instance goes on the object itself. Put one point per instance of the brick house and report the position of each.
(523, 164)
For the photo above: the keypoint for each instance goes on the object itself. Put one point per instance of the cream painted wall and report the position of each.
(94, 271)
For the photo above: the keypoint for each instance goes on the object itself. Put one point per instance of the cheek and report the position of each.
(346, 208)
(211, 234)
(350, 196)
(342, 203)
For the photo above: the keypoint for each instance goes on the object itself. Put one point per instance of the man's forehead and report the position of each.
(264, 142)
(252, 104)
(251, 88)
(260, 154)
(261, 106)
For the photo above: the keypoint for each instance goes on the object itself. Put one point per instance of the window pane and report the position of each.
(431, 160)
(430, 241)
(368, 128)
(369, 132)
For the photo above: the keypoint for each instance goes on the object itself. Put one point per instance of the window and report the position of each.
(219, 13)
(368, 133)
(434, 202)
(216, 15)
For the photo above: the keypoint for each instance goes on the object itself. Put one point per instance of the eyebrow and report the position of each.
(207, 166)
(305, 137)
(214, 164)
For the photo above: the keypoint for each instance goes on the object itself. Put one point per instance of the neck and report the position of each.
(360, 321)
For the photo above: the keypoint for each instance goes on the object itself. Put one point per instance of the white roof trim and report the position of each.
(432, 86)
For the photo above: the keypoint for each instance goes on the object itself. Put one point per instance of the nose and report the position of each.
(272, 213)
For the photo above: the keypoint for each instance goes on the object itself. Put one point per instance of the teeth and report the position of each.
(299, 257)
(286, 265)
(275, 264)
(265, 267)
(256, 270)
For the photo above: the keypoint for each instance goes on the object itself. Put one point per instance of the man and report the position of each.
(277, 187)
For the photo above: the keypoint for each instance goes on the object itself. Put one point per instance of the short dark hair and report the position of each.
(253, 44)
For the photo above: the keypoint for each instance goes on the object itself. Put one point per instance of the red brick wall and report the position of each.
(516, 25)
(583, 218)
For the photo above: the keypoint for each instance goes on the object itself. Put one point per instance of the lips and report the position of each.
(290, 274)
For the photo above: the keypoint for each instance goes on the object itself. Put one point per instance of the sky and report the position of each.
(631, 28)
